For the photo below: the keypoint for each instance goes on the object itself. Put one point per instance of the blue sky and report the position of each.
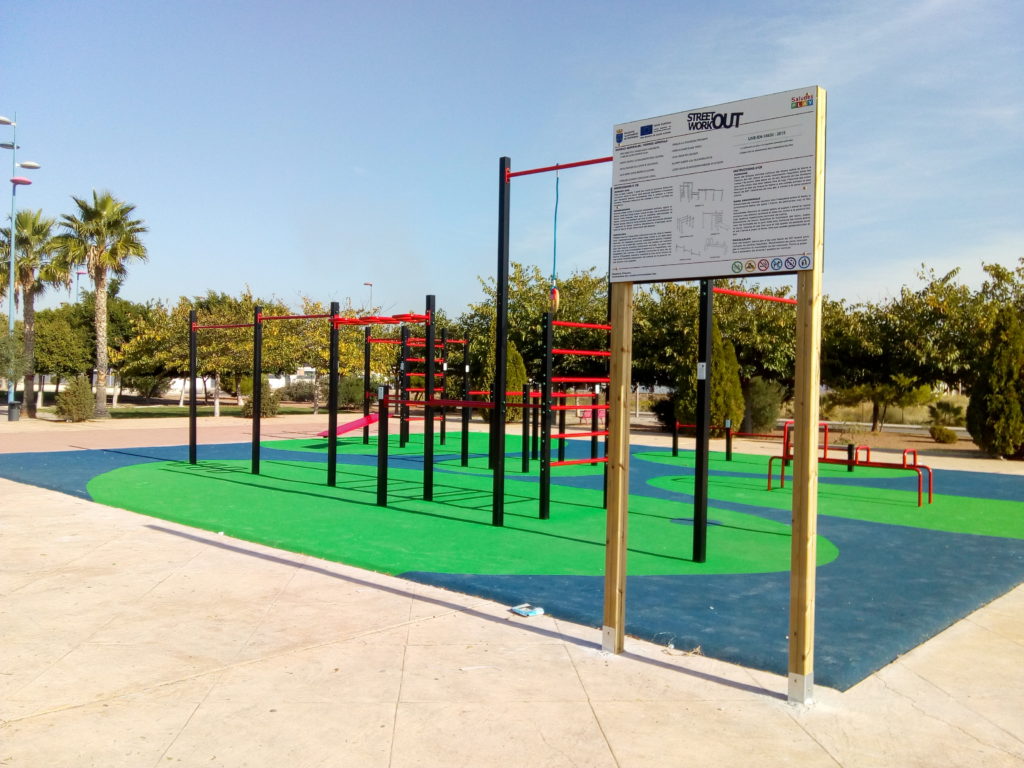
(306, 148)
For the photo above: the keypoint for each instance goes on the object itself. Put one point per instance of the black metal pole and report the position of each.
(851, 456)
(366, 385)
(257, 385)
(466, 410)
(428, 410)
(700, 478)
(544, 493)
(382, 447)
(403, 388)
(500, 346)
(675, 433)
(192, 355)
(525, 412)
(332, 399)
(444, 381)
(728, 439)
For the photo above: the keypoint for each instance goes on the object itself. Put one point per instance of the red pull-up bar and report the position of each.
(510, 174)
(762, 296)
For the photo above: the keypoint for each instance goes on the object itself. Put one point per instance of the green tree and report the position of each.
(995, 414)
(726, 392)
(103, 236)
(63, 346)
(36, 269)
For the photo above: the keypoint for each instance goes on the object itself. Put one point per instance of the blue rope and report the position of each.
(554, 239)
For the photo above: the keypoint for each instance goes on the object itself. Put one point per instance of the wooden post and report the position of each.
(805, 446)
(617, 509)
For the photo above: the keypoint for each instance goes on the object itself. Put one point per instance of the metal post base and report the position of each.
(801, 689)
(609, 639)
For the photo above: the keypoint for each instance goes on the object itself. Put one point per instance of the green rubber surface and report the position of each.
(290, 507)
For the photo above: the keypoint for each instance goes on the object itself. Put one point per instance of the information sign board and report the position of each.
(722, 191)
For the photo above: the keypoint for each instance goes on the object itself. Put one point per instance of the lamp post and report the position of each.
(78, 274)
(371, 295)
(16, 181)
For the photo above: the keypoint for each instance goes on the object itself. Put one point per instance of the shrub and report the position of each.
(942, 434)
(350, 392)
(946, 414)
(270, 403)
(76, 402)
(297, 392)
(764, 402)
(995, 414)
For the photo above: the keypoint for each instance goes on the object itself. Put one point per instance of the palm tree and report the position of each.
(104, 237)
(36, 269)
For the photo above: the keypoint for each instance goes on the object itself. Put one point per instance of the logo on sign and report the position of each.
(805, 262)
(646, 130)
(790, 262)
(750, 266)
(762, 265)
(618, 136)
(776, 264)
(807, 100)
(737, 266)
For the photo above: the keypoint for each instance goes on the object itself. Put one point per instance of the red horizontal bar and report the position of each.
(578, 407)
(563, 435)
(230, 325)
(602, 460)
(747, 295)
(593, 352)
(570, 324)
(292, 317)
(575, 394)
(384, 341)
(423, 359)
(510, 174)
(458, 403)
(415, 389)
(580, 379)
(422, 375)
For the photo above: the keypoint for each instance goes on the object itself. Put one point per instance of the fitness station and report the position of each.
(539, 493)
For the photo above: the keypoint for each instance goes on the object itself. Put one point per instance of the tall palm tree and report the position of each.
(36, 269)
(104, 237)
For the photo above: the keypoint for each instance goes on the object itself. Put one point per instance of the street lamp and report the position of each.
(16, 181)
(78, 274)
(371, 295)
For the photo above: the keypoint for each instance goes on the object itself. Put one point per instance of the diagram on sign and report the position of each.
(702, 231)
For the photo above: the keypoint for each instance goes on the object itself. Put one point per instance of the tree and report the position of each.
(35, 270)
(63, 347)
(103, 236)
(995, 414)
(726, 392)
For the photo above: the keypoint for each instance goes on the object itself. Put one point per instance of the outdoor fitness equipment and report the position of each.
(544, 495)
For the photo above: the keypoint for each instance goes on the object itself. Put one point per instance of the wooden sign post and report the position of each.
(731, 190)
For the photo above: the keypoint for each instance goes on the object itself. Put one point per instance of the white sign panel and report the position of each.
(723, 191)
